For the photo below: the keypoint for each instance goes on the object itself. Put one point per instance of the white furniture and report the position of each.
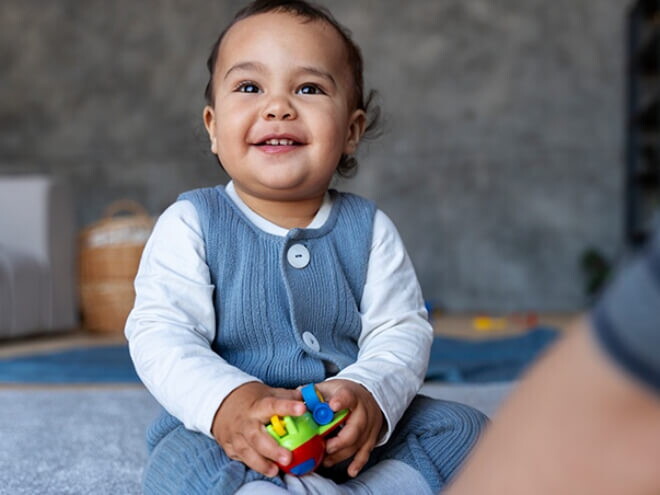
(37, 256)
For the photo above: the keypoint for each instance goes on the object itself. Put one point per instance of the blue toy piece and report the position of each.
(320, 410)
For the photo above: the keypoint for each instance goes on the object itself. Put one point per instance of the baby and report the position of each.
(249, 291)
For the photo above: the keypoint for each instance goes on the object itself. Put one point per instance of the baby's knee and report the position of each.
(446, 417)
(435, 436)
(465, 414)
(162, 426)
(185, 462)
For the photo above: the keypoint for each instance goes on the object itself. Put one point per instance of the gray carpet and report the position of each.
(484, 396)
(73, 441)
(91, 440)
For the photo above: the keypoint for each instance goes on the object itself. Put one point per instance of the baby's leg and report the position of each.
(261, 488)
(388, 476)
(183, 462)
(433, 437)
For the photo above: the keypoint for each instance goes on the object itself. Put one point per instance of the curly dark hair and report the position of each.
(347, 165)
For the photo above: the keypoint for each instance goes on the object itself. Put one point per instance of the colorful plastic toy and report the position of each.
(305, 435)
(515, 322)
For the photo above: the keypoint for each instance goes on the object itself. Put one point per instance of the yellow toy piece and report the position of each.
(487, 324)
(278, 426)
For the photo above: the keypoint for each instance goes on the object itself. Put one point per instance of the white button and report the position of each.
(298, 256)
(310, 340)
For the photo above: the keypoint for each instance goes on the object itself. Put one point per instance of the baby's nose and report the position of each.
(279, 108)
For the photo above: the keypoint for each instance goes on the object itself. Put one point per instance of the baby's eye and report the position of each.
(310, 89)
(248, 87)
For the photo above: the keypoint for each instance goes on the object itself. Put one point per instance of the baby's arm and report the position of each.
(172, 325)
(170, 331)
(394, 344)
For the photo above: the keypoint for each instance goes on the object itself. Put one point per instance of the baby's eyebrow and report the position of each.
(320, 73)
(253, 66)
(259, 67)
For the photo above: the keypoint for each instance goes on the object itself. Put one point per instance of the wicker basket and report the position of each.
(109, 255)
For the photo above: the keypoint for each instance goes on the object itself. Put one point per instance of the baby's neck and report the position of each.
(286, 214)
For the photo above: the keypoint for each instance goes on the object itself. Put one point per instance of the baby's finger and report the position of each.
(339, 456)
(271, 406)
(285, 393)
(341, 398)
(347, 437)
(241, 449)
(267, 447)
(360, 459)
(257, 462)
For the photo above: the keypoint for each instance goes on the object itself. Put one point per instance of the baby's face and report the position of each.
(283, 112)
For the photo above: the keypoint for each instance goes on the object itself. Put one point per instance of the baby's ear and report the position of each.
(356, 126)
(209, 123)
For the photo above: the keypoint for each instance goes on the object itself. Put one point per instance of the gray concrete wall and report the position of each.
(501, 160)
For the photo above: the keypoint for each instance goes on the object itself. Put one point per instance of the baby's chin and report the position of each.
(287, 192)
(284, 184)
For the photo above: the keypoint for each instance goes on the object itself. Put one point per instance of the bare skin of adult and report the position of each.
(577, 424)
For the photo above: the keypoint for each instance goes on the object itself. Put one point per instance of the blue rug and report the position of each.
(106, 364)
(452, 360)
(493, 360)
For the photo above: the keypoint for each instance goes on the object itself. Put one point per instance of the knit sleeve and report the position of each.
(626, 320)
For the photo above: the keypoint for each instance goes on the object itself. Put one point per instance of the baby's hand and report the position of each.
(239, 428)
(362, 428)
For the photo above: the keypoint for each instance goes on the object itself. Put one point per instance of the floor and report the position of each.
(87, 438)
(88, 444)
(483, 326)
(457, 325)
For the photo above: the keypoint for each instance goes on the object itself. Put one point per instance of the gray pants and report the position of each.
(433, 437)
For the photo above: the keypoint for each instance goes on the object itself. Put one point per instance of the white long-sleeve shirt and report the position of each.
(173, 322)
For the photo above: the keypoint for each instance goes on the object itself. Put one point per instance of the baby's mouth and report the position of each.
(279, 142)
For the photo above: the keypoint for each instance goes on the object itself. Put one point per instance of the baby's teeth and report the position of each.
(279, 142)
